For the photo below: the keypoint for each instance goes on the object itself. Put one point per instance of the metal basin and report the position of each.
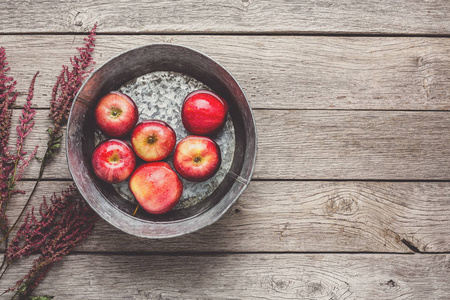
(102, 197)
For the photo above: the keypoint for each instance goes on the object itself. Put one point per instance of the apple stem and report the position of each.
(135, 211)
(151, 139)
(115, 112)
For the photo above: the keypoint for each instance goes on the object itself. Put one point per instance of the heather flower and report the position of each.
(64, 223)
(66, 220)
(23, 130)
(69, 82)
(64, 91)
(8, 97)
(12, 162)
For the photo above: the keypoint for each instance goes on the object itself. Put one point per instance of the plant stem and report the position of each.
(10, 186)
(3, 264)
(42, 267)
(8, 198)
(6, 268)
(135, 211)
(41, 173)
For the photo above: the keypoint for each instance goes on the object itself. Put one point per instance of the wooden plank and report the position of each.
(244, 276)
(353, 145)
(214, 16)
(300, 217)
(306, 72)
(296, 144)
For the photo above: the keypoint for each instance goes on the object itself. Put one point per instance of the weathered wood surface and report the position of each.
(244, 276)
(214, 16)
(354, 135)
(298, 144)
(276, 216)
(301, 72)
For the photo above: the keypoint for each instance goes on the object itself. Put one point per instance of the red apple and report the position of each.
(116, 114)
(197, 158)
(156, 187)
(153, 140)
(113, 161)
(204, 112)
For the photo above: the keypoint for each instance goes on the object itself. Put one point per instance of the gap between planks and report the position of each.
(18, 107)
(241, 33)
(346, 16)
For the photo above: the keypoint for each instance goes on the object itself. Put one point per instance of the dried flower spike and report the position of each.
(12, 161)
(67, 220)
(69, 82)
(67, 85)
(64, 223)
(24, 129)
(8, 97)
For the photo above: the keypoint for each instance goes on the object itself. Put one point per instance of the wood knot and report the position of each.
(390, 284)
(271, 283)
(306, 284)
(321, 286)
(391, 238)
(237, 209)
(282, 230)
(341, 205)
(419, 61)
(80, 18)
(314, 289)
(243, 4)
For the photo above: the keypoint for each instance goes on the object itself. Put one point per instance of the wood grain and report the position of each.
(242, 16)
(244, 276)
(328, 107)
(289, 72)
(353, 145)
(296, 144)
(276, 216)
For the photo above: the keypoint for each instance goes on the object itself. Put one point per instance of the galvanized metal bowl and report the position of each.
(80, 140)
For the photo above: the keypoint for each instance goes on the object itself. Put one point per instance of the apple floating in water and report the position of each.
(153, 140)
(116, 114)
(156, 187)
(204, 112)
(113, 161)
(197, 158)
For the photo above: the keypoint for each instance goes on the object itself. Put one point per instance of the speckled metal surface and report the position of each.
(160, 95)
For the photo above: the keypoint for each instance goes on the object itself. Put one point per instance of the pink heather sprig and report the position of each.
(7, 84)
(64, 223)
(69, 82)
(26, 119)
(12, 162)
(67, 220)
(23, 130)
(64, 91)
(8, 97)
